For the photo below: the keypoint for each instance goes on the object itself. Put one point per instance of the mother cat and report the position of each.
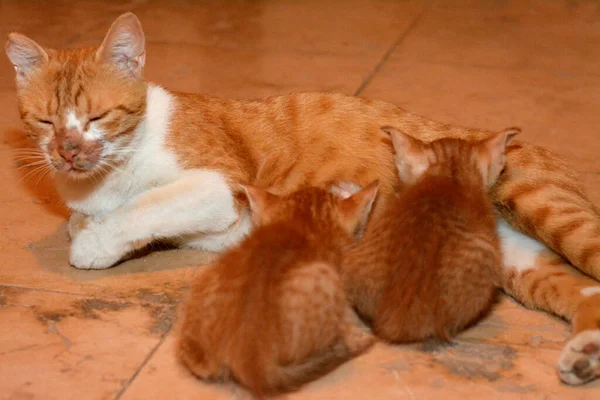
(136, 162)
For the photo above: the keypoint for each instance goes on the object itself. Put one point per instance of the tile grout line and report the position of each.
(392, 48)
(2, 285)
(140, 368)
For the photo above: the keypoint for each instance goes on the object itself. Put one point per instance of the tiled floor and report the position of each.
(70, 334)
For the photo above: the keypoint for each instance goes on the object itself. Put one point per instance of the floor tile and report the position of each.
(465, 370)
(246, 73)
(560, 36)
(341, 27)
(58, 346)
(555, 111)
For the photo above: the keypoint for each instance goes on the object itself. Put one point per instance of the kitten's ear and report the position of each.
(412, 158)
(124, 45)
(344, 189)
(495, 149)
(25, 54)
(355, 210)
(259, 200)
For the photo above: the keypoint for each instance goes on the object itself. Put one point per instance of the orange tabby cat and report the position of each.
(272, 313)
(429, 263)
(143, 163)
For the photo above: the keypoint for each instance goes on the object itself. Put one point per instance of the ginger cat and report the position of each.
(136, 162)
(430, 263)
(272, 314)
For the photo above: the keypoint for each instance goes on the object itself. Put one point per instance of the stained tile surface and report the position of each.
(70, 334)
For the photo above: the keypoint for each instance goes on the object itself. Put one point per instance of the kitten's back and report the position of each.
(438, 241)
(272, 314)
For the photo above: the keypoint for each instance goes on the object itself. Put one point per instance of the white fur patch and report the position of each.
(590, 291)
(345, 189)
(73, 121)
(217, 242)
(200, 202)
(519, 250)
(151, 165)
(93, 132)
(151, 197)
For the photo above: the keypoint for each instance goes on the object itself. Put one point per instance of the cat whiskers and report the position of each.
(40, 171)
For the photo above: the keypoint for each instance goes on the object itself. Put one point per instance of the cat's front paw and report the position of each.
(579, 361)
(97, 246)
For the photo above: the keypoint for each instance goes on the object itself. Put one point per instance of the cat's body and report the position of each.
(93, 116)
(430, 263)
(272, 313)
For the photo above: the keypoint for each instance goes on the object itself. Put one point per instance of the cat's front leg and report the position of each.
(77, 222)
(200, 202)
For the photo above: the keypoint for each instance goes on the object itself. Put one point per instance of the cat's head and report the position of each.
(315, 208)
(485, 158)
(81, 106)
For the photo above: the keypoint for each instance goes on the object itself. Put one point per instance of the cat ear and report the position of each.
(344, 189)
(124, 45)
(259, 200)
(355, 210)
(495, 148)
(25, 54)
(412, 159)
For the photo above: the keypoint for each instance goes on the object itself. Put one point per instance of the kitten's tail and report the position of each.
(265, 376)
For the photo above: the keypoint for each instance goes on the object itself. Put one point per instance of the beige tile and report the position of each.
(465, 370)
(347, 27)
(246, 73)
(512, 324)
(556, 112)
(58, 346)
(559, 36)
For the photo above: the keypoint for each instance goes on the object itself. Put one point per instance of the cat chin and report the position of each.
(77, 175)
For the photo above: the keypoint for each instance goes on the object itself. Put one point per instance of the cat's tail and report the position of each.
(266, 377)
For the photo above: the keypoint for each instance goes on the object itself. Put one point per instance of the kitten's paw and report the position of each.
(77, 223)
(97, 247)
(579, 361)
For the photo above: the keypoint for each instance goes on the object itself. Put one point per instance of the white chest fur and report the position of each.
(151, 165)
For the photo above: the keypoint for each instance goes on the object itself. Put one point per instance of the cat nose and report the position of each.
(68, 153)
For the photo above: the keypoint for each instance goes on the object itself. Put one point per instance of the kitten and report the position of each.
(271, 313)
(429, 263)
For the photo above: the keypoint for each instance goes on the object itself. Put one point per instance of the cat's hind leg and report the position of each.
(539, 194)
(540, 279)
(355, 338)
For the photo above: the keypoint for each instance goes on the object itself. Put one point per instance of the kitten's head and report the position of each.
(318, 209)
(460, 158)
(81, 106)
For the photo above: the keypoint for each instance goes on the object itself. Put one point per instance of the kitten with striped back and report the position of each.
(430, 262)
(271, 313)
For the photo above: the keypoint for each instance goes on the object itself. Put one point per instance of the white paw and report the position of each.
(579, 361)
(97, 246)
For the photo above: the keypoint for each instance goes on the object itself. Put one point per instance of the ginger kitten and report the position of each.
(429, 263)
(271, 314)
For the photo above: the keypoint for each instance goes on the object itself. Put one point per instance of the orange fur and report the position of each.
(430, 263)
(272, 313)
(287, 142)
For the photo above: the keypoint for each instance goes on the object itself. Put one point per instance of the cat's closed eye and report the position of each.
(99, 116)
